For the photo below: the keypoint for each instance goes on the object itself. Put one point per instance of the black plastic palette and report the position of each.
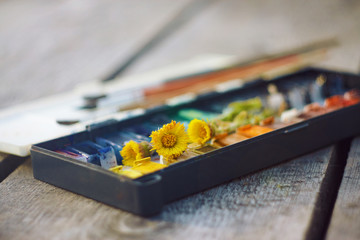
(146, 195)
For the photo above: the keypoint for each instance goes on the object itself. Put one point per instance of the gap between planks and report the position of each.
(184, 16)
(56, 45)
(8, 163)
(325, 202)
(345, 221)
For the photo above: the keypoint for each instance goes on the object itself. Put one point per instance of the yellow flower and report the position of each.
(170, 141)
(131, 152)
(199, 131)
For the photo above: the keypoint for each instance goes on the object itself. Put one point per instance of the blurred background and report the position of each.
(47, 47)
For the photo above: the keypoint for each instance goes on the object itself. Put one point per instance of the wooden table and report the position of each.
(47, 47)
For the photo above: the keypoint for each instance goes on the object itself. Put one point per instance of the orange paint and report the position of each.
(253, 130)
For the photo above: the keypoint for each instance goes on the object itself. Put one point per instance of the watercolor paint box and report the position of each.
(147, 195)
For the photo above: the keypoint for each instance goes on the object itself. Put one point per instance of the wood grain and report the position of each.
(47, 47)
(272, 204)
(248, 29)
(345, 222)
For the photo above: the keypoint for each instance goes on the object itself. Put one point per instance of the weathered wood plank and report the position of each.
(345, 222)
(248, 29)
(272, 204)
(47, 47)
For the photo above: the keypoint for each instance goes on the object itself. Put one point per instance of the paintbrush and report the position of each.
(268, 67)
